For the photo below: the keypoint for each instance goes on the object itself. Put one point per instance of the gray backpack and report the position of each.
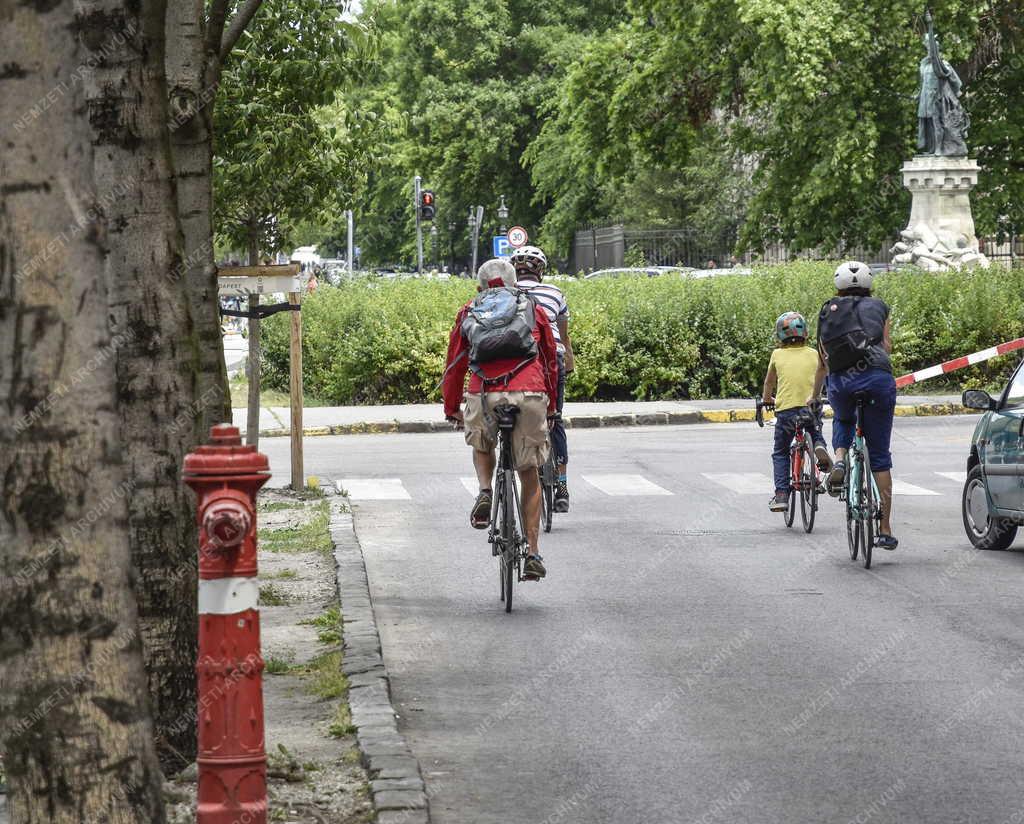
(499, 325)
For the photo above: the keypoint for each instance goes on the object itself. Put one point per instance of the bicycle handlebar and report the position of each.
(760, 406)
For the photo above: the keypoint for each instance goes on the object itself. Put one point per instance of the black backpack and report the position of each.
(844, 339)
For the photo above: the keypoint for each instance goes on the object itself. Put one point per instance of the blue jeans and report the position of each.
(785, 429)
(559, 440)
(880, 388)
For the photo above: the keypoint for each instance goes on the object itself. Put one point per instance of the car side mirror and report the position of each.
(978, 399)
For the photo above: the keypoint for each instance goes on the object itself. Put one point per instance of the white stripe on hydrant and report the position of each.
(226, 596)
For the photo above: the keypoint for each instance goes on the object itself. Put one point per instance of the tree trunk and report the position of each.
(157, 361)
(192, 79)
(78, 740)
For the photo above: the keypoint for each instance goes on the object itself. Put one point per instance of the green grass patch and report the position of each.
(329, 626)
(271, 596)
(281, 575)
(277, 506)
(312, 536)
(277, 666)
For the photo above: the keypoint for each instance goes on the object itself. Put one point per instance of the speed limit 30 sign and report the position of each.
(517, 237)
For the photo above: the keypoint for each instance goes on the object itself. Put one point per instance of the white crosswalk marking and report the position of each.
(472, 486)
(958, 477)
(743, 483)
(374, 489)
(621, 485)
(903, 488)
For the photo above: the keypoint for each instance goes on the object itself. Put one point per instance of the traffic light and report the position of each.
(427, 206)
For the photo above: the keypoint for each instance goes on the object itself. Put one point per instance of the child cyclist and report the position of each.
(788, 385)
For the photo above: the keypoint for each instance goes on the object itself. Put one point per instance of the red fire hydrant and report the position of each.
(232, 757)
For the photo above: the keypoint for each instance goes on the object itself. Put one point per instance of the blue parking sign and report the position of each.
(502, 248)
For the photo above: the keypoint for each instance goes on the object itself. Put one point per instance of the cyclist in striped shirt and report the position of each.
(531, 263)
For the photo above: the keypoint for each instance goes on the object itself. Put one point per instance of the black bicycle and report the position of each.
(507, 534)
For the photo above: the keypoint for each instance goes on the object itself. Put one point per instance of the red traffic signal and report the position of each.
(428, 208)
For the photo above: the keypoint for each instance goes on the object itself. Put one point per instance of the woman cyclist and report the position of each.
(854, 345)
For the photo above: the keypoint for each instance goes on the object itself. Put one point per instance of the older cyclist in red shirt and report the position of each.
(531, 383)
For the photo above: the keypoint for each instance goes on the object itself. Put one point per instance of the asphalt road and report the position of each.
(688, 657)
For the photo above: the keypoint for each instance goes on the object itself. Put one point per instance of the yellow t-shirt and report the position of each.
(796, 366)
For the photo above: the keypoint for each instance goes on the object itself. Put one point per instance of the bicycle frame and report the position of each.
(852, 487)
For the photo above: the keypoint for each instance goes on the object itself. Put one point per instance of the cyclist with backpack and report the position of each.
(531, 263)
(854, 345)
(505, 340)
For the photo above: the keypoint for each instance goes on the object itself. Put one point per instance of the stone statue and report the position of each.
(942, 122)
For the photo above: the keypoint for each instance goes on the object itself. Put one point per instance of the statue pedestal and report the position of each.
(940, 234)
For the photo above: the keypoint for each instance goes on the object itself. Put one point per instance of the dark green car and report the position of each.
(993, 500)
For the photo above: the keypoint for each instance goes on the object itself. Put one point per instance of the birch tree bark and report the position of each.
(158, 359)
(196, 48)
(76, 731)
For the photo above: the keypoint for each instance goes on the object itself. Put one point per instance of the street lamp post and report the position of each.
(503, 216)
(472, 239)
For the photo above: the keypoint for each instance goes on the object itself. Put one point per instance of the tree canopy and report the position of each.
(776, 120)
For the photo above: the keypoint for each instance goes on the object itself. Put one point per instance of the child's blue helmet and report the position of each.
(791, 325)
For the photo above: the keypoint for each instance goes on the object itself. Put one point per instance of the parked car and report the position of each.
(993, 499)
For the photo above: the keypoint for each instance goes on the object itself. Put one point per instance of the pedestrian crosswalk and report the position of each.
(597, 486)
(758, 483)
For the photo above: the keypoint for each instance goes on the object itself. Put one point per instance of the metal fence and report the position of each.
(613, 246)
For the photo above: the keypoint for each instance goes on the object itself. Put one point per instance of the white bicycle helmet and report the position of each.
(853, 275)
(529, 259)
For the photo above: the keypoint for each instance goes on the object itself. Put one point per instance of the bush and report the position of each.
(377, 342)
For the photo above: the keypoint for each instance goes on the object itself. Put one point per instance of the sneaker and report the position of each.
(780, 503)
(533, 569)
(562, 497)
(480, 517)
(883, 541)
(836, 478)
(824, 460)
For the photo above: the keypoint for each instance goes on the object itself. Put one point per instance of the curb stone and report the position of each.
(396, 781)
(600, 421)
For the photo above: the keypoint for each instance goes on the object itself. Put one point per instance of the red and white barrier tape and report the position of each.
(959, 363)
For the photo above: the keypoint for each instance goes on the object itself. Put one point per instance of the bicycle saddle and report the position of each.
(506, 415)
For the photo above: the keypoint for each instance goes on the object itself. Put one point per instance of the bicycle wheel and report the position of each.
(794, 486)
(511, 539)
(808, 488)
(868, 511)
(850, 494)
(496, 529)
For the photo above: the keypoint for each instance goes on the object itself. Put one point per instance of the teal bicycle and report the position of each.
(860, 493)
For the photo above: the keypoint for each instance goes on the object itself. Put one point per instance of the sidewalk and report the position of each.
(348, 420)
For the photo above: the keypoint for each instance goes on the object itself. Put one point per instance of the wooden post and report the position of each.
(252, 371)
(295, 391)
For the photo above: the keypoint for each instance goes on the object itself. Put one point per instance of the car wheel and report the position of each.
(984, 531)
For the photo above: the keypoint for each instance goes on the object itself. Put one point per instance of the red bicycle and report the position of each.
(804, 474)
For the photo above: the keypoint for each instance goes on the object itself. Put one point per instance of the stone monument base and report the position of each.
(940, 234)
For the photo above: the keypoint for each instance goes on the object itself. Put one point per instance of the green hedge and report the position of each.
(379, 342)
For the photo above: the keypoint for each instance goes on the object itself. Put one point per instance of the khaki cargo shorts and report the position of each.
(529, 438)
